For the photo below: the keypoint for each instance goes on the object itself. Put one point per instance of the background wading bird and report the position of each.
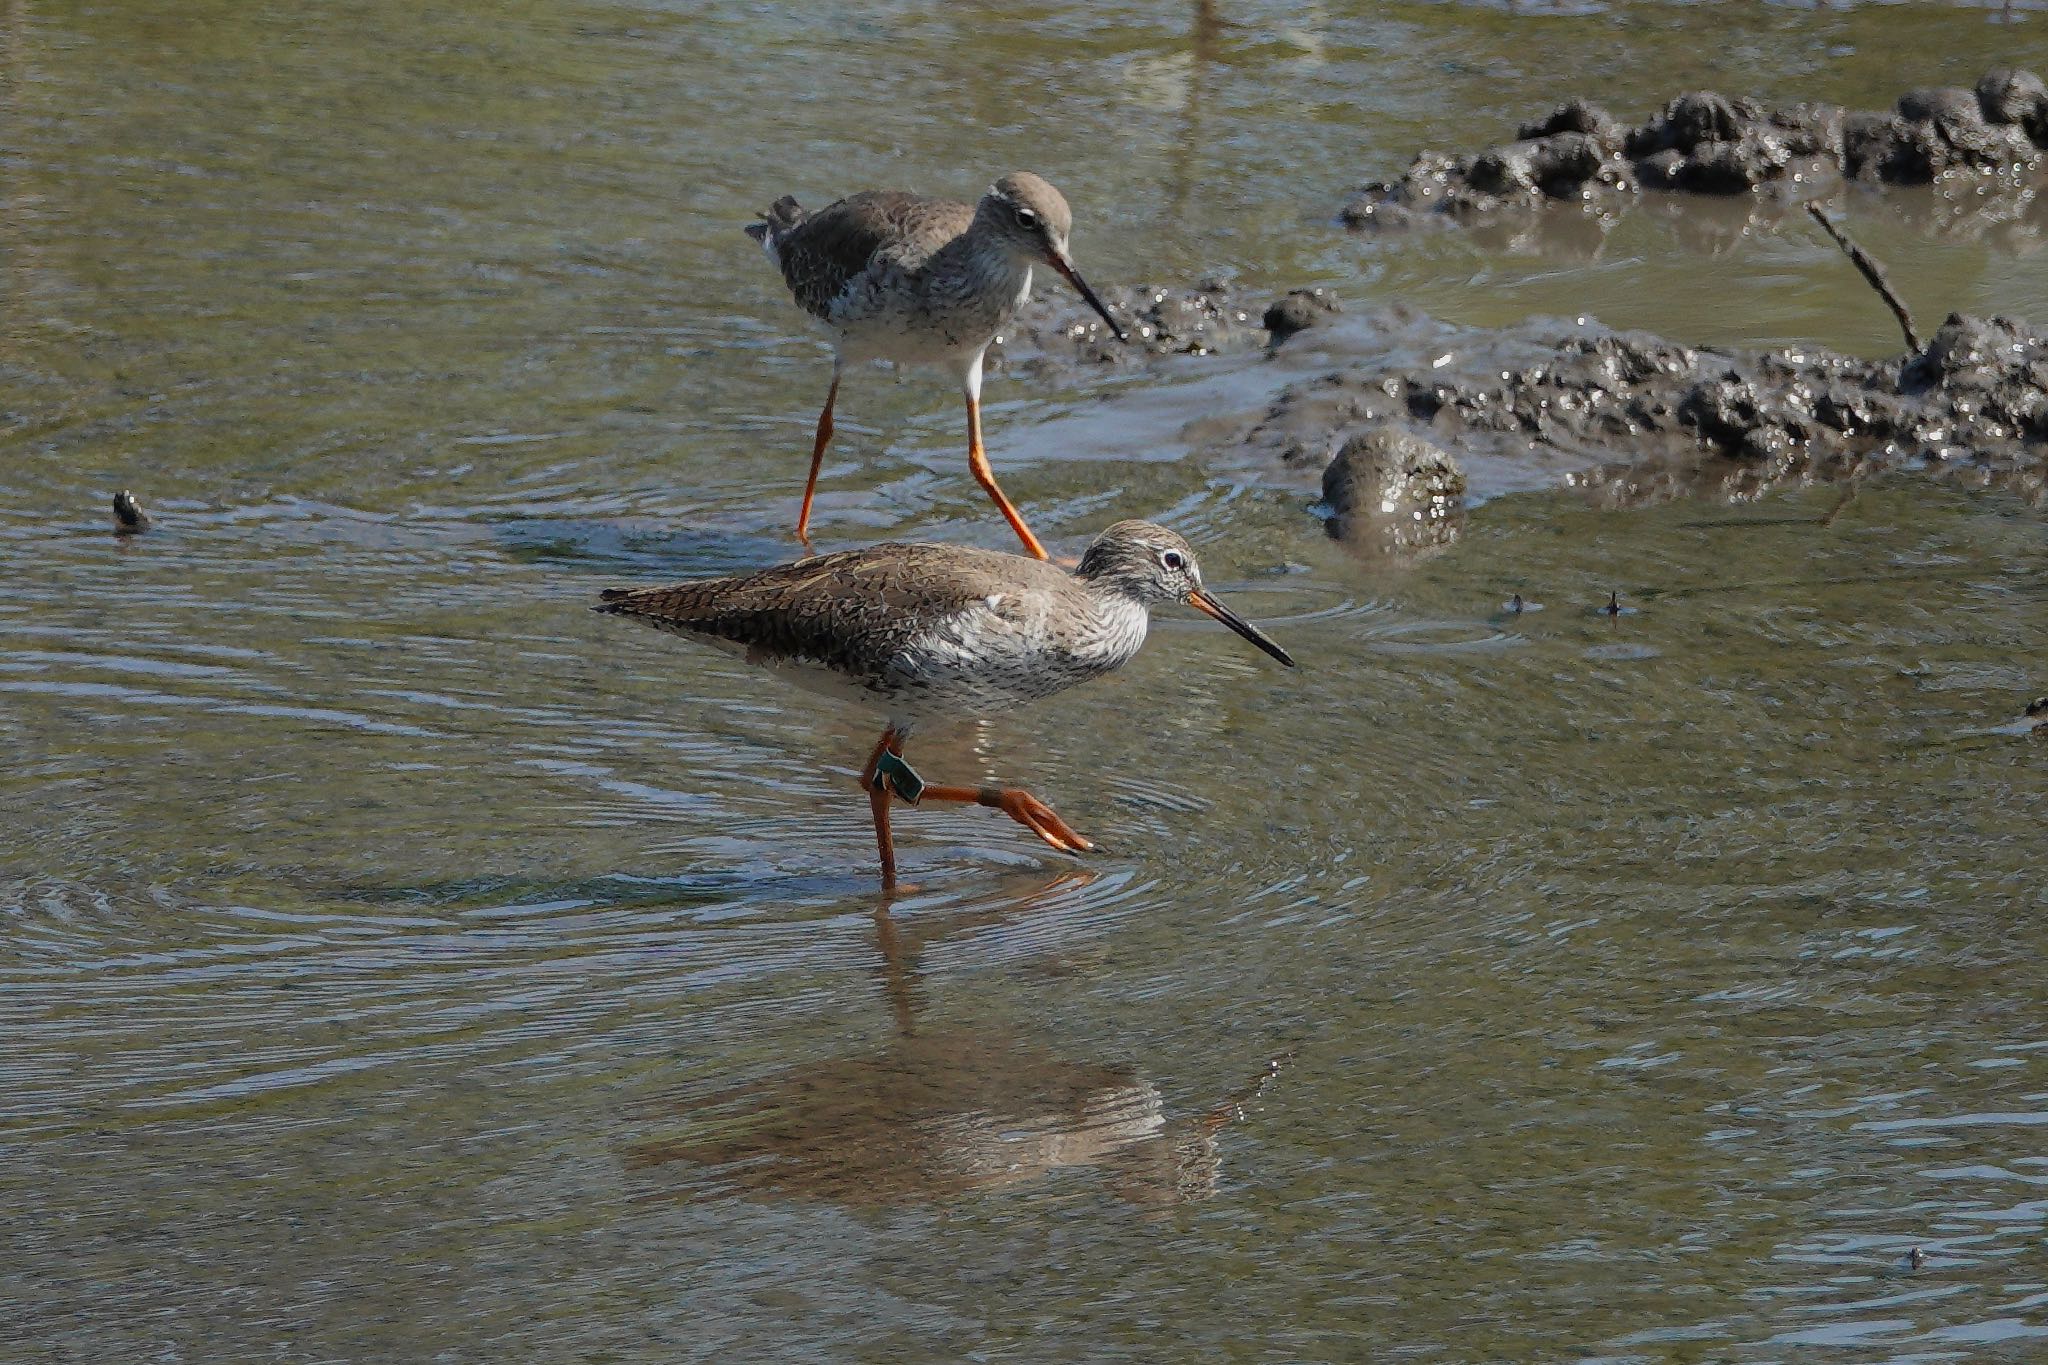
(922, 281)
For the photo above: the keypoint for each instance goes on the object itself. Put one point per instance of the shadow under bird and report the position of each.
(931, 632)
(921, 281)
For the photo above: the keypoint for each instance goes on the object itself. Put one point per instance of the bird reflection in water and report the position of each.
(934, 1114)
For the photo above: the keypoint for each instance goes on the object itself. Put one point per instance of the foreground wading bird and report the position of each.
(942, 631)
(921, 281)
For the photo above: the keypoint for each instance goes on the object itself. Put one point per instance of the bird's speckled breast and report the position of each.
(945, 312)
(1010, 648)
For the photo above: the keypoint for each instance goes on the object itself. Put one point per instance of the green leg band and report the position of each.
(892, 772)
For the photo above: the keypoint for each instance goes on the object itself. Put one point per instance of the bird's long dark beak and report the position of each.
(1201, 601)
(1073, 277)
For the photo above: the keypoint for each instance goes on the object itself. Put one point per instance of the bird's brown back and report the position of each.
(827, 249)
(850, 611)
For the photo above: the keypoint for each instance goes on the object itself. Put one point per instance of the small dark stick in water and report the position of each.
(1231, 1107)
(1848, 496)
(1873, 272)
(1613, 607)
(129, 518)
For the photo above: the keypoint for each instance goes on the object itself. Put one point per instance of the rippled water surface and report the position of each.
(398, 961)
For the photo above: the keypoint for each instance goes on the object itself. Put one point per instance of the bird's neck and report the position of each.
(987, 283)
(1116, 627)
(984, 250)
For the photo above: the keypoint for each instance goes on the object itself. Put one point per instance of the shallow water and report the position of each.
(399, 962)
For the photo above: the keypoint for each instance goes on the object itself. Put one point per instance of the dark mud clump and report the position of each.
(1055, 329)
(1705, 143)
(1297, 311)
(1388, 491)
(1204, 319)
(1639, 419)
(1629, 416)
(129, 518)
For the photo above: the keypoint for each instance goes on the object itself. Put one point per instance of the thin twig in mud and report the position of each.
(1848, 496)
(1872, 271)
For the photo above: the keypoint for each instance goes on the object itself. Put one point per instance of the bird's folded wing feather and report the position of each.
(835, 244)
(835, 609)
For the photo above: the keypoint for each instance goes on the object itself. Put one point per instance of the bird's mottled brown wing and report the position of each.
(849, 611)
(821, 254)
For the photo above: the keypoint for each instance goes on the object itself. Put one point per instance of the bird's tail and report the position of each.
(784, 216)
(679, 604)
(679, 610)
(627, 601)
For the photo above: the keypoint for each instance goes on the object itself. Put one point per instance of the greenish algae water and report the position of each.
(398, 962)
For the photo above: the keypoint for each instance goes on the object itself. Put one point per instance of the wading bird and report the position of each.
(929, 632)
(921, 281)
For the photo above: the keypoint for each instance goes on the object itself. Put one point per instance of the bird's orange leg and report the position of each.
(977, 460)
(824, 438)
(878, 802)
(1021, 806)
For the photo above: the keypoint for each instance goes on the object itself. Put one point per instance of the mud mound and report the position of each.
(1644, 419)
(1631, 416)
(1390, 492)
(1056, 328)
(1705, 143)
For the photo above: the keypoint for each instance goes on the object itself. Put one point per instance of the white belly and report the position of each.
(915, 320)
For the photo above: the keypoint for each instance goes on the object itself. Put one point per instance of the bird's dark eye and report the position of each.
(1028, 217)
(1174, 560)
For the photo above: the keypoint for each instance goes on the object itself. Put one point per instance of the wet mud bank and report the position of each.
(1705, 143)
(1055, 331)
(1634, 418)
(1404, 415)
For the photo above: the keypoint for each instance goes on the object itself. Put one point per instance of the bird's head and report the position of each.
(1033, 221)
(1152, 565)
